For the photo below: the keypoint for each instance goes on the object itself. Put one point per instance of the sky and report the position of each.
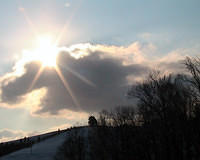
(62, 60)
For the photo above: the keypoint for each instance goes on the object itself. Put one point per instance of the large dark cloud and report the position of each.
(108, 77)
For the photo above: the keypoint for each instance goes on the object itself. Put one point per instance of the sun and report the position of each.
(46, 51)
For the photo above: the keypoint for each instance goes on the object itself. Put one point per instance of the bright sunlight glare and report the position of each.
(46, 51)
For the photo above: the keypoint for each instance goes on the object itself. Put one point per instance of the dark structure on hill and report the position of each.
(92, 121)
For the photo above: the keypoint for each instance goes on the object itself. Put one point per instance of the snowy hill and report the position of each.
(44, 150)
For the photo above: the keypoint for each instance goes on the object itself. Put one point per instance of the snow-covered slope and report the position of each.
(44, 150)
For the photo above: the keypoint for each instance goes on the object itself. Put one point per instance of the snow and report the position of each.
(44, 150)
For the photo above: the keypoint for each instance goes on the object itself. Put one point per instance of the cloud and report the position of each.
(8, 134)
(94, 77)
(67, 4)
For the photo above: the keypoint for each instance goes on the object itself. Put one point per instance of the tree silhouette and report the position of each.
(164, 98)
(92, 121)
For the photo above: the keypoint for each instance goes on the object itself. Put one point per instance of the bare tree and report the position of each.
(123, 115)
(162, 98)
(193, 66)
(104, 118)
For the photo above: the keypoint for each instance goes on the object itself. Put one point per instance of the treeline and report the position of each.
(165, 123)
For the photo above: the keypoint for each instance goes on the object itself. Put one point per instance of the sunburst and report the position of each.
(46, 52)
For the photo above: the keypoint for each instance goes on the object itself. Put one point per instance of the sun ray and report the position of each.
(65, 83)
(81, 77)
(67, 23)
(36, 78)
(28, 20)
